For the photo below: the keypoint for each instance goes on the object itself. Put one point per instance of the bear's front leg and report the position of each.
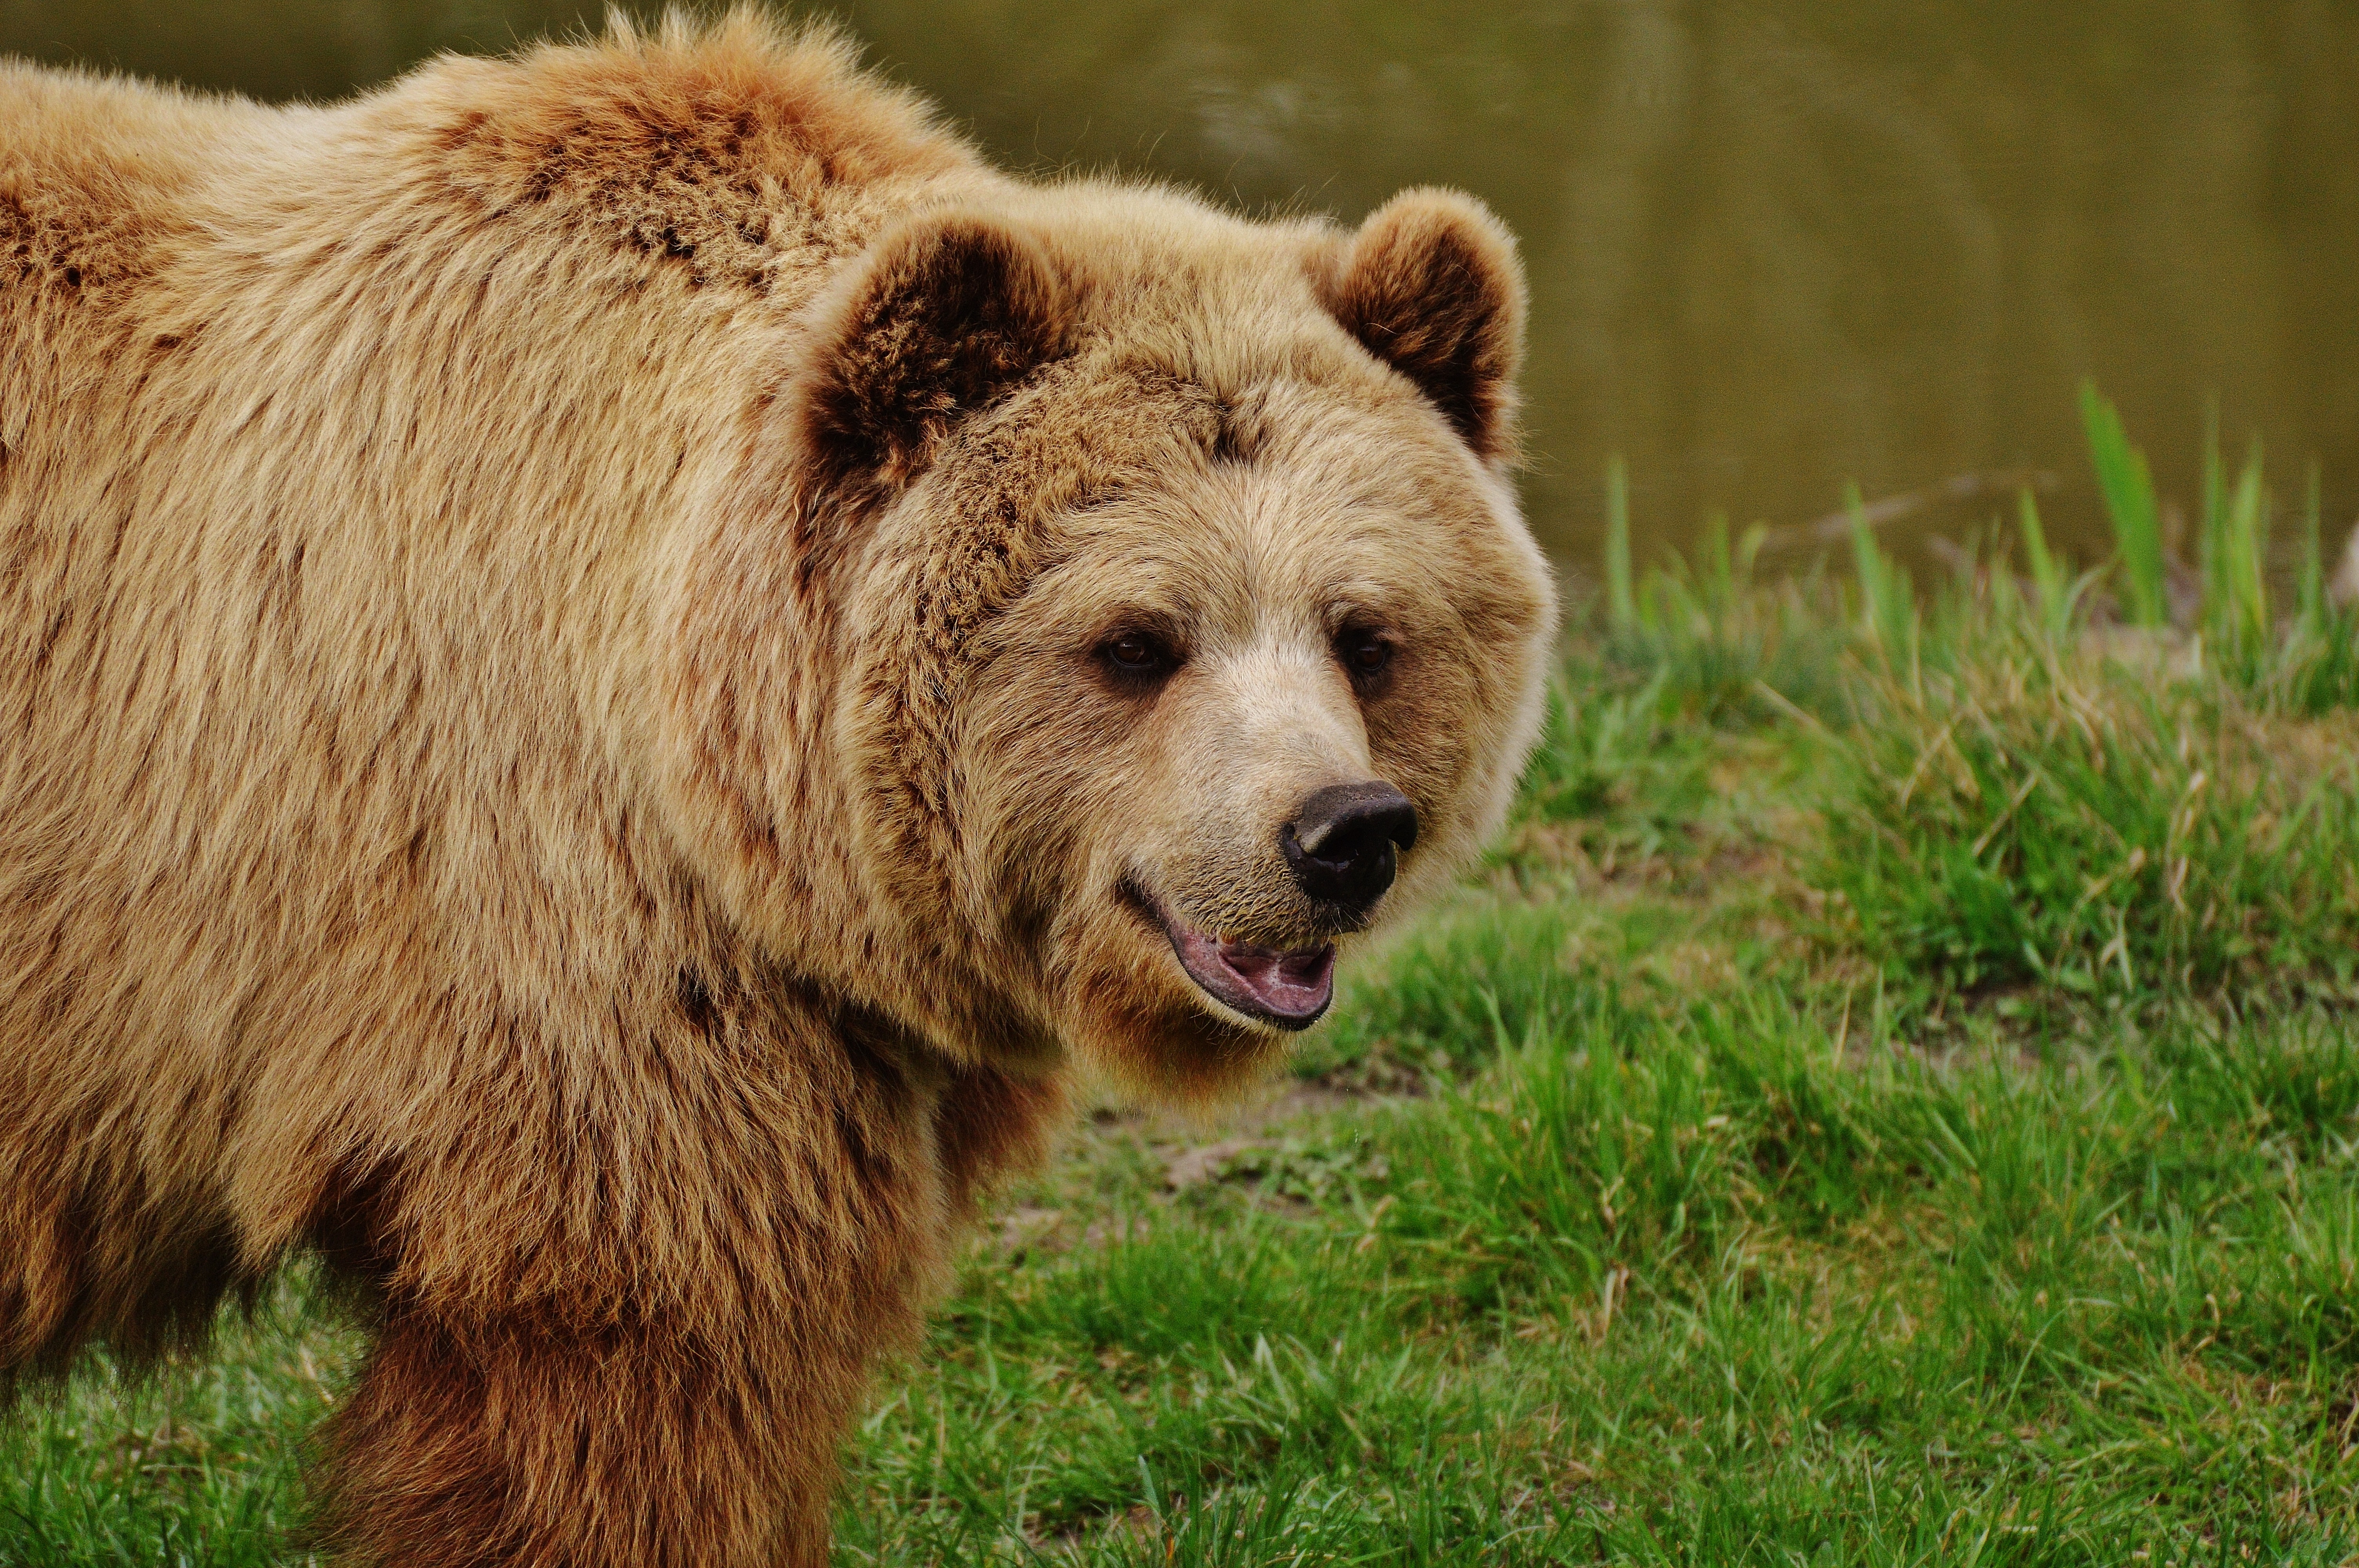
(520, 1444)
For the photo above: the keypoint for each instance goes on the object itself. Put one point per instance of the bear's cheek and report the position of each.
(1054, 797)
(1109, 984)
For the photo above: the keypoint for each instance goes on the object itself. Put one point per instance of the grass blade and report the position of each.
(2049, 578)
(2212, 538)
(2311, 588)
(1887, 602)
(2244, 552)
(2127, 486)
(1621, 598)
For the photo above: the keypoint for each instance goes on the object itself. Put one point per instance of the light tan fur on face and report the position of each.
(1254, 565)
(549, 622)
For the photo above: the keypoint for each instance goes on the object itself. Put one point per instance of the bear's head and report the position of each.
(1165, 619)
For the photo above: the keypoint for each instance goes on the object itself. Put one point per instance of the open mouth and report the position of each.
(1289, 989)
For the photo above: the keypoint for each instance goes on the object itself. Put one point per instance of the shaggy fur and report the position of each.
(561, 754)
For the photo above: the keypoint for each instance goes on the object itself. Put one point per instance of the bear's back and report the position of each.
(93, 176)
(400, 330)
(331, 442)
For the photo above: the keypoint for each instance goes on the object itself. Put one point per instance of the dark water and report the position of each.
(1773, 245)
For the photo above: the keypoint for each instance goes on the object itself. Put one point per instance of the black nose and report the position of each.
(1340, 844)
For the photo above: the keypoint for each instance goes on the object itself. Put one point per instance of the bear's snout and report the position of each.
(1340, 844)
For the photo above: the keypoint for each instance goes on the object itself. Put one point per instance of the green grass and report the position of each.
(196, 1465)
(1890, 1098)
(2128, 491)
(2027, 819)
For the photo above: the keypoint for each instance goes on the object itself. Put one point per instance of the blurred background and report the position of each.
(1775, 245)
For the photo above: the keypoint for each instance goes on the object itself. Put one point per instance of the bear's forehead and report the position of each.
(1239, 550)
(1304, 406)
(1241, 464)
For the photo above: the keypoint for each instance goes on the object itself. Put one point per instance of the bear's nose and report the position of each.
(1340, 844)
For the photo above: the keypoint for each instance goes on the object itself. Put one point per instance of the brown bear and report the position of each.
(615, 659)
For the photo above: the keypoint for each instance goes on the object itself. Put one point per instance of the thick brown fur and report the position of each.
(558, 753)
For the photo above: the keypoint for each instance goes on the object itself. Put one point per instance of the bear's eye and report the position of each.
(1365, 654)
(1137, 655)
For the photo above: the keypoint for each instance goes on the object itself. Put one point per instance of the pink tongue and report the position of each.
(1290, 989)
(1289, 983)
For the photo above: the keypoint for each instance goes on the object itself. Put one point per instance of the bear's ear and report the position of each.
(948, 311)
(1430, 285)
